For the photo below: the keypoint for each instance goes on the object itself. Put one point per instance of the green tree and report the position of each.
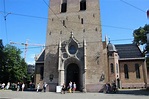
(140, 36)
(13, 67)
(1, 58)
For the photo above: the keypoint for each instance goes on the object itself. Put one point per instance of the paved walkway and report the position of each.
(122, 94)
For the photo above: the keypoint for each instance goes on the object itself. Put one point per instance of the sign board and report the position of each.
(58, 88)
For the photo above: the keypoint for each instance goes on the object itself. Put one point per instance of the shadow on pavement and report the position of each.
(133, 92)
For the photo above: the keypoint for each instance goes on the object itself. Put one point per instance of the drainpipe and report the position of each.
(59, 65)
(85, 68)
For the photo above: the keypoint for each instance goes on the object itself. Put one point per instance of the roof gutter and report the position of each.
(140, 58)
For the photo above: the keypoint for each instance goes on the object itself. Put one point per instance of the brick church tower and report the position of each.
(74, 49)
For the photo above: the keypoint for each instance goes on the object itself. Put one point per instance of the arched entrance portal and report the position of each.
(73, 74)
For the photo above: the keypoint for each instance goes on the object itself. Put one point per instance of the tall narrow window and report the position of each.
(82, 21)
(137, 69)
(82, 5)
(117, 70)
(63, 22)
(112, 68)
(64, 6)
(126, 71)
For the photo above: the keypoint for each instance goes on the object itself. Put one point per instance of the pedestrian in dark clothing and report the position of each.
(114, 87)
(63, 89)
(18, 86)
(44, 86)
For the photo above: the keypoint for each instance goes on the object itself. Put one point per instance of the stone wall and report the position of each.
(84, 25)
(129, 83)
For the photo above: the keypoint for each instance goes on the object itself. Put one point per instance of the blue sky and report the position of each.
(118, 20)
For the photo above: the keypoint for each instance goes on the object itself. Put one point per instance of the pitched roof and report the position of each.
(129, 51)
(40, 58)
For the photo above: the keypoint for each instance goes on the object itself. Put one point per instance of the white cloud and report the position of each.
(31, 62)
(30, 59)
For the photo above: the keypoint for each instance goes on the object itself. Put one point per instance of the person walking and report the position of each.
(38, 87)
(74, 87)
(63, 89)
(44, 86)
(70, 87)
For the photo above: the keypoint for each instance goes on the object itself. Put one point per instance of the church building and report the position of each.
(75, 51)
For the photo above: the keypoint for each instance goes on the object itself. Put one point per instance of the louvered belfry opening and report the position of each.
(82, 5)
(64, 6)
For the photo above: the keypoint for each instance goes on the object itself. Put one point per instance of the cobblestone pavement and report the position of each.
(123, 94)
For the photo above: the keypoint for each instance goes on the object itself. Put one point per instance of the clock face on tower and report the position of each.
(72, 49)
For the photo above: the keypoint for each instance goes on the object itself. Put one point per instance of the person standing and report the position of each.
(3, 86)
(18, 86)
(38, 87)
(8, 85)
(114, 87)
(74, 87)
(23, 86)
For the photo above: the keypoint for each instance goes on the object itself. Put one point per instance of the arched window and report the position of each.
(82, 5)
(126, 71)
(64, 6)
(72, 49)
(137, 69)
(112, 68)
(117, 69)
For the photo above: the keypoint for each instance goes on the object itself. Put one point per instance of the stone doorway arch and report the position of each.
(73, 74)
